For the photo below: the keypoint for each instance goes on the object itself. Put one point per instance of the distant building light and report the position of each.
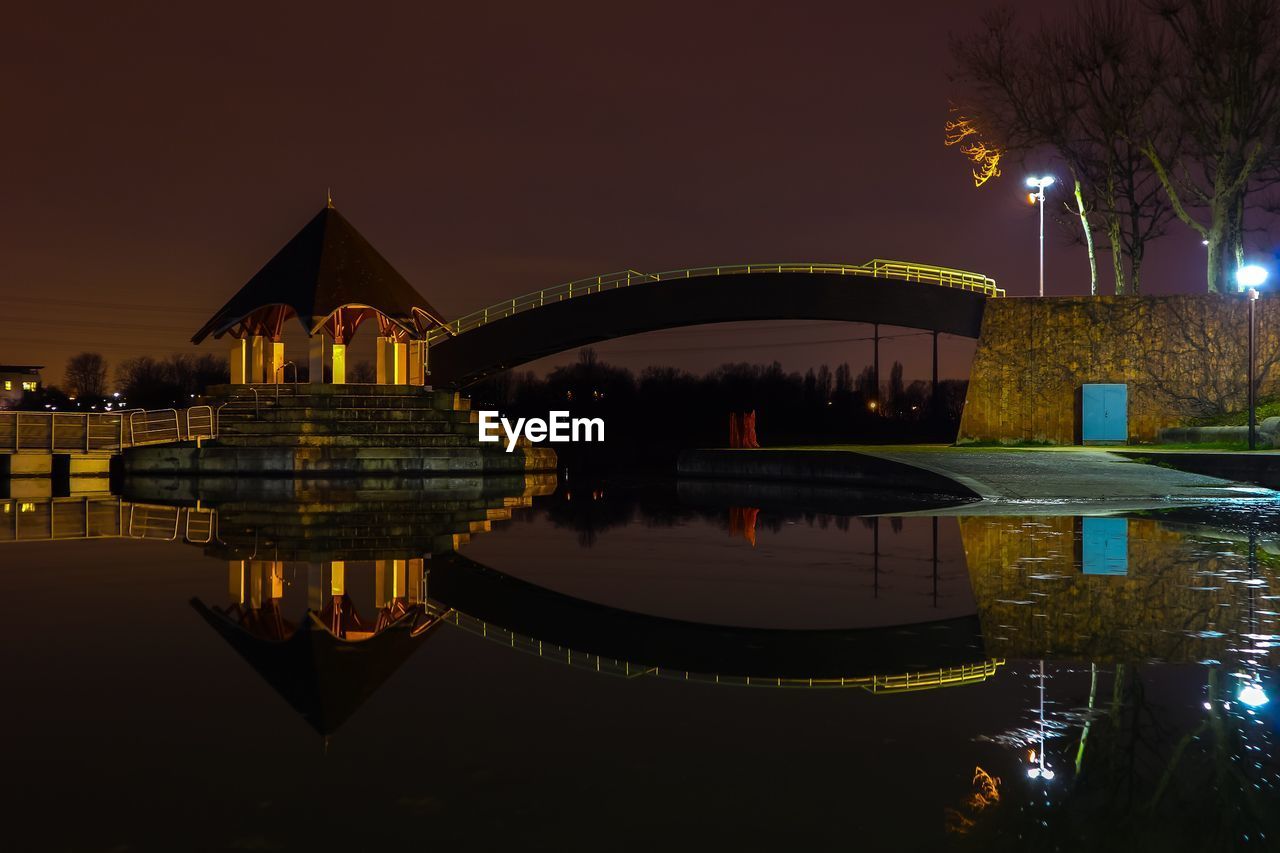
(26, 386)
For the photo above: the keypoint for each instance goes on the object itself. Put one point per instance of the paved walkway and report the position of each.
(1062, 474)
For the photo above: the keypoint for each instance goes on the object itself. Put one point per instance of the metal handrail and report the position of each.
(155, 430)
(195, 433)
(875, 268)
(257, 412)
(278, 374)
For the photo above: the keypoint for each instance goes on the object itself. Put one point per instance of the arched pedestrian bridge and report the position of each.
(519, 330)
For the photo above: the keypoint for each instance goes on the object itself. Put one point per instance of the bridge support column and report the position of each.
(933, 392)
(317, 358)
(875, 367)
(238, 360)
(339, 364)
(257, 359)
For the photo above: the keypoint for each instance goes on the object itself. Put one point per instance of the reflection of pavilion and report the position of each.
(330, 662)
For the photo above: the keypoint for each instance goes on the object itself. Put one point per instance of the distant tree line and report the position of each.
(651, 417)
(140, 383)
(1159, 112)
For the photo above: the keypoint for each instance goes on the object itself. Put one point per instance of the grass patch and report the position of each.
(1207, 445)
(1268, 407)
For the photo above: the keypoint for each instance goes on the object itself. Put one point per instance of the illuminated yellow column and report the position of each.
(397, 578)
(276, 572)
(317, 358)
(257, 359)
(235, 581)
(402, 363)
(257, 569)
(382, 581)
(339, 364)
(414, 582)
(239, 361)
(386, 361)
(275, 361)
(337, 578)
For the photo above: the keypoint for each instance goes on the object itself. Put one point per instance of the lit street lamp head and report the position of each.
(1040, 183)
(1251, 275)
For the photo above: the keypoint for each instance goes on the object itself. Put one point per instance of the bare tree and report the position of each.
(1085, 90)
(1223, 89)
(86, 375)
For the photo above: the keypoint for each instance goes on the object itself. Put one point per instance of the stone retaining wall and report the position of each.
(1182, 357)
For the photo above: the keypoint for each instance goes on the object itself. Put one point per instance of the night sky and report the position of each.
(157, 154)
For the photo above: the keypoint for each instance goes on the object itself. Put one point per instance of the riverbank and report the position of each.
(1031, 475)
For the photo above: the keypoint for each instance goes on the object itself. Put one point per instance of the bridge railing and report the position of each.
(876, 268)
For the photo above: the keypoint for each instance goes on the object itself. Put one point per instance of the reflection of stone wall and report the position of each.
(1182, 357)
(1035, 601)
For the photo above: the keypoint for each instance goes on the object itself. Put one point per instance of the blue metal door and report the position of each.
(1105, 546)
(1104, 410)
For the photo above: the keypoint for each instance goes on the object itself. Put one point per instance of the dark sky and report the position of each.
(157, 154)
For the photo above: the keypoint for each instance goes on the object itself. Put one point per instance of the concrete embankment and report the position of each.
(1262, 469)
(994, 474)
(335, 431)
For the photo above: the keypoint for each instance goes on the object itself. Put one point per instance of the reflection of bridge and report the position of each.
(545, 322)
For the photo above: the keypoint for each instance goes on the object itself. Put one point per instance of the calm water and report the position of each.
(603, 666)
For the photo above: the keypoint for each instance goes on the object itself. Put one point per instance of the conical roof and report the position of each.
(327, 265)
(324, 678)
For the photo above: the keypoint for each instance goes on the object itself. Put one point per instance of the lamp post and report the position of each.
(1249, 278)
(1039, 184)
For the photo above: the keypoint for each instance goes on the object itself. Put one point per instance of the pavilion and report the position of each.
(332, 280)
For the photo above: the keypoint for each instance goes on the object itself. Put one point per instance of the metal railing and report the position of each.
(108, 432)
(876, 268)
(952, 676)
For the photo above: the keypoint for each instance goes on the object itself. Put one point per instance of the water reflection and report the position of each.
(1134, 709)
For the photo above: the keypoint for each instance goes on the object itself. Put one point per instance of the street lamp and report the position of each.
(1039, 184)
(1250, 277)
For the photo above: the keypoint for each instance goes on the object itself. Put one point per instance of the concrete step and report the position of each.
(371, 442)
(371, 428)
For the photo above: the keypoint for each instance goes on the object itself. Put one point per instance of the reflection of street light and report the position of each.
(1250, 277)
(1252, 694)
(1038, 769)
(1039, 185)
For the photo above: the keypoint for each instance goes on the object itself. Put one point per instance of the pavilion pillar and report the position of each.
(417, 362)
(339, 364)
(338, 578)
(414, 581)
(402, 363)
(257, 568)
(317, 358)
(315, 587)
(389, 581)
(386, 361)
(238, 359)
(275, 361)
(235, 581)
(257, 360)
